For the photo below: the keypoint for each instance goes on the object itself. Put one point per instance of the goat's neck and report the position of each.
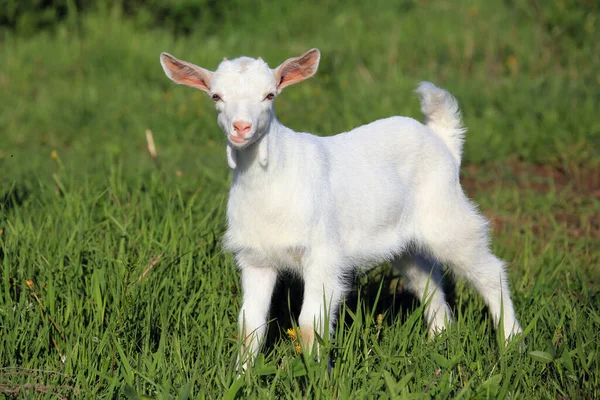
(250, 166)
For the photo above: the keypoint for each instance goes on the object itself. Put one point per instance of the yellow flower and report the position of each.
(513, 63)
(473, 11)
(292, 335)
(54, 154)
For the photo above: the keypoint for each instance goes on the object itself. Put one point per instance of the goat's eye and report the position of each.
(270, 96)
(216, 97)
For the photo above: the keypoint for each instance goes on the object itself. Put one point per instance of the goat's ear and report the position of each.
(185, 73)
(296, 69)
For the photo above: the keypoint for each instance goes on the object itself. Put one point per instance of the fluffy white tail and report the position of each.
(443, 116)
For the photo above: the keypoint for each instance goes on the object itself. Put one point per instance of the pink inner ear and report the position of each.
(194, 81)
(297, 69)
(187, 75)
(293, 73)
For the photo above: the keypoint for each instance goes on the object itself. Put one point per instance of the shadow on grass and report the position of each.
(389, 298)
(381, 294)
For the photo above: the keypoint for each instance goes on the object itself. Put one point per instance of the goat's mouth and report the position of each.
(237, 139)
(239, 142)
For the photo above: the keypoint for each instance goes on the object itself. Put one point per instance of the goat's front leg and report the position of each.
(323, 292)
(257, 286)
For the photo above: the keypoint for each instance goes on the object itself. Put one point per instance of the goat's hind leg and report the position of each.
(487, 274)
(460, 240)
(424, 280)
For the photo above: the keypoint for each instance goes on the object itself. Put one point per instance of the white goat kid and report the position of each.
(326, 206)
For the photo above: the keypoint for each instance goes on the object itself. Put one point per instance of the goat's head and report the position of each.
(243, 89)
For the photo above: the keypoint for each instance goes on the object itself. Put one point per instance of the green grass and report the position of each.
(114, 282)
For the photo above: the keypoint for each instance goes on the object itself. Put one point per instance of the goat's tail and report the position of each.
(443, 116)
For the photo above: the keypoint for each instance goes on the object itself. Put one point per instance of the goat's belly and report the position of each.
(366, 250)
(378, 226)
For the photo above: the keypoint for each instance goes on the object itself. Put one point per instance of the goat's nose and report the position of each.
(242, 128)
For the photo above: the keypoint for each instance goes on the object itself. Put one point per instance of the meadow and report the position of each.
(114, 283)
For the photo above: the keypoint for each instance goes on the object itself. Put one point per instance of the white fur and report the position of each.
(326, 206)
